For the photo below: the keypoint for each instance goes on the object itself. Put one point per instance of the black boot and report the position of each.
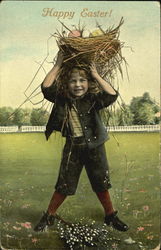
(115, 222)
(46, 221)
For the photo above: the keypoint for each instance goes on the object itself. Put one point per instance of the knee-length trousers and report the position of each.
(77, 155)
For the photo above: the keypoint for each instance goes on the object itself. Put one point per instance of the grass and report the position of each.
(29, 169)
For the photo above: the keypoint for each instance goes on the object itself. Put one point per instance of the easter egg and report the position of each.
(86, 33)
(74, 33)
(96, 32)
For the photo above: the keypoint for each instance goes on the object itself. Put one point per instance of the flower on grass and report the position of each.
(148, 225)
(25, 206)
(150, 237)
(114, 245)
(135, 213)
(17, 228)
(9, 203)
(142, 190)
(127, 190)
(34, 240)
(145, 208)
(6, 224)
(140, 229)
(9, 236)
(81, 235)
(129, 241)
(133, 179)
(26, 225)
(128, 204)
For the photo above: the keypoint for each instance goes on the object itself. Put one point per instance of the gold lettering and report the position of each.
(55, 13)
(58, 14)
(72, 14)
(110, 12)
(47, 12)
(96, 14)
(103, 14)
(84, 13)
(90, 14)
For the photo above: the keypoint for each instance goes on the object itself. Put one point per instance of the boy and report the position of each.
(76, 115)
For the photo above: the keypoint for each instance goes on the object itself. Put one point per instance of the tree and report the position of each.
(119, 117)
(18, 117)
(39, 117)
(6, 118)
(143, 109)
(124, 116)
(26, 116)
(145, 115)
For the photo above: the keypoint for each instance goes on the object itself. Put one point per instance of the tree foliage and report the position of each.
(141, 111)
(144, 110)
(6, 118)
(39, 117)
(20, 116)
(124, 116)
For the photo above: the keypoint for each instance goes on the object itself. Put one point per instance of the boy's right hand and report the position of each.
(53, 73)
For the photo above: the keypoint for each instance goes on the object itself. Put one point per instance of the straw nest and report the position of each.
(104, 50)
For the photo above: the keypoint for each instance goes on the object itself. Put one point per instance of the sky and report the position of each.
(25, 29)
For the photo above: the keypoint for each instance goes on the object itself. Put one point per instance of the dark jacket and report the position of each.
(88, 108)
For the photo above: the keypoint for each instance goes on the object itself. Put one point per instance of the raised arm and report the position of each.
(104, 85)
(108, 95)
(49, 89)
(53, 73)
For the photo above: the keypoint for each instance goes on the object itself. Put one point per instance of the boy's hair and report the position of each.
(84, 72)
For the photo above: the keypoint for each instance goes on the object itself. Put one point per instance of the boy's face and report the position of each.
(77, 85)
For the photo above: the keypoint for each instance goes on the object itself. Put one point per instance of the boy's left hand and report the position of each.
(93, 69)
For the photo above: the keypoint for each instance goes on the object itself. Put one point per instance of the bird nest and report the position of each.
(98, 49)
(104, 50)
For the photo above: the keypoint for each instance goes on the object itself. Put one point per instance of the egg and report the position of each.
(96, 32)
(74, 33)
(86, 33)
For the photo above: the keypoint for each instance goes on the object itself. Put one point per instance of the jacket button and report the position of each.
(89, 140)
(85, 127)
(95, 137)
(80, 115)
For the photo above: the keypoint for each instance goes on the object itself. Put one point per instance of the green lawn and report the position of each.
(29, 169)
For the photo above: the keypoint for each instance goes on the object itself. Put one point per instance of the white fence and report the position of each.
(8, 129)
(12, 129)
(136, 128)
(32, 128)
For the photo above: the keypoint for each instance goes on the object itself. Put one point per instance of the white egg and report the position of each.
(85, 33)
